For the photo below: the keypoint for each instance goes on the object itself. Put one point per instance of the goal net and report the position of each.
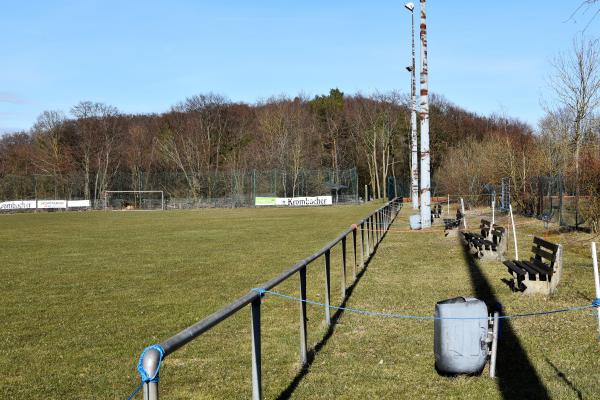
(134, 200)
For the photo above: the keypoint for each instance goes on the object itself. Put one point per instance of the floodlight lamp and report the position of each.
(409, 68)
(410, 6)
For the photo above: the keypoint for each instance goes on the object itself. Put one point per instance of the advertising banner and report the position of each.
(78, 203)
(17, 205)
(52, 204)
(294, 201)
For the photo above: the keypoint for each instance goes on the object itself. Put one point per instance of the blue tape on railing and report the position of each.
(596, 303)
(261, 292)
(143, 374)
(422, 317)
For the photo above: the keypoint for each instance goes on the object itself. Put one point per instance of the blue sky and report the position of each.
(145, 56)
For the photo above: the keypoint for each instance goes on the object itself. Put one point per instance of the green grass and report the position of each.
(83, 293)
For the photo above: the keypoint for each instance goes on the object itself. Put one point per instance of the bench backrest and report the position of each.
(498, 232)
(545, 252)
(485, 227)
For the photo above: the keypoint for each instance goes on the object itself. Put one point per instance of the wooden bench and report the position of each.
(490, 244)
(451, 223)
(542, 272)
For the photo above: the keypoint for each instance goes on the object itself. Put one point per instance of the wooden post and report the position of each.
(303, 332)
(256, 351)
(327, 286)
(512, 222)
(596, 279)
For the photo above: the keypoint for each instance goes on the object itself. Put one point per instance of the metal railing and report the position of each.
(372, 230)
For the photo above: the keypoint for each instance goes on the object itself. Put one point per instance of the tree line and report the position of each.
(207, 134)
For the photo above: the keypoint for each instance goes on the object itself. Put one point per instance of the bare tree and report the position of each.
(576, 83)
(98, 132)
(51, 157)
(194, 138)
(584, 7)
(375, 122)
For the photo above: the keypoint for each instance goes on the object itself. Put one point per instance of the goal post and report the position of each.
(134, 200)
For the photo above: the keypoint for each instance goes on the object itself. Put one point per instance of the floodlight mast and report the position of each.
(425, 157)
(414, 162)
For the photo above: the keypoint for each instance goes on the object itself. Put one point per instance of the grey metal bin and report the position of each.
(461, 345)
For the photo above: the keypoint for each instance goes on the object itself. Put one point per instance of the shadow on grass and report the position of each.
(515, 375)
(289, 390)
(564, 378)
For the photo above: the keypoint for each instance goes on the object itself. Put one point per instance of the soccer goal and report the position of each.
(134, 200)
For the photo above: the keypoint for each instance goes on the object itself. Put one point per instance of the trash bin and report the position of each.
(461, 345)
(415, 221)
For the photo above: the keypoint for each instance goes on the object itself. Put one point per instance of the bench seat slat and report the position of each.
(543, 272)
(530, 271)
(511, 266)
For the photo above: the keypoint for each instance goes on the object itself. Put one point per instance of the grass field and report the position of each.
(83, 293)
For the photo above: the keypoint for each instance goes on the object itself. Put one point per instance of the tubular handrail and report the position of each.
(377, 224)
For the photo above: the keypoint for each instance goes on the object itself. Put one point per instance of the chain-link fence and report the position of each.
(189, 190)
(550, 198)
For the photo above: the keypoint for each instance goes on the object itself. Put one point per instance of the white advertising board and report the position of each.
(52, 204)
(17, 205)
(78, 203)
(294, 201)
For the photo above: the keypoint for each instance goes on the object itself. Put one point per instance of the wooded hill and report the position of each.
(207, 134)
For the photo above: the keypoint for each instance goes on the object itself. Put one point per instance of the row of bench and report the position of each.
(540, 274)
(489, 244)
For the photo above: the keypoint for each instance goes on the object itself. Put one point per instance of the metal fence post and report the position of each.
(303, 333)
(150, 391)
(354, 247)
(256, 351)
(327, 286)
(379, 225)
(362, 243)
(150, 363)
(343, 267)
(370, 235)
(367, 246)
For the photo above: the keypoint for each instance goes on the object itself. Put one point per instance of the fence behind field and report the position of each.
(237, 188)
(363, 239)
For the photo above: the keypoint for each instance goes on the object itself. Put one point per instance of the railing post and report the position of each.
(150, 363)
(378, 217)
(343, 267)
(150, 391)
(362, 243)
(370, 234)
(327, 286)
(366, 230)
(303, 333)
(355, 255)
(375, 227)
(256, 351)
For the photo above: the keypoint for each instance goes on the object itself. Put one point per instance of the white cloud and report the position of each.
(13, 98)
